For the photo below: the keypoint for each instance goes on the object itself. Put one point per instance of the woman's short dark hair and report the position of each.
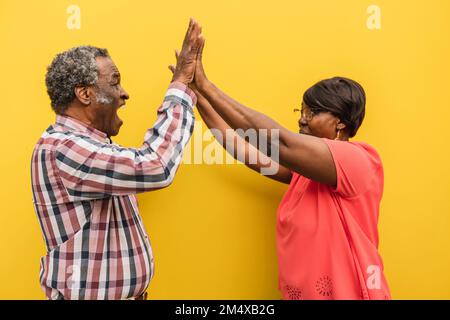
(342, 97)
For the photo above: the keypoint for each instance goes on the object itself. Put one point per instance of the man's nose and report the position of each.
(124, 95)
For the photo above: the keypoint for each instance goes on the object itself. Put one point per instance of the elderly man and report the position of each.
(84, 185)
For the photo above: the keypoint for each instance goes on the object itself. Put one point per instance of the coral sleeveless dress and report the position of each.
(327, 239)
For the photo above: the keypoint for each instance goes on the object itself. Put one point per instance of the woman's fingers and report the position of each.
(199, 63)
(200, 48)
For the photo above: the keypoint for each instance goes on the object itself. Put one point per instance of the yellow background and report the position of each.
(213, 230)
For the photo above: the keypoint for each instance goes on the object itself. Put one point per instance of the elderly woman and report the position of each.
(327, 238)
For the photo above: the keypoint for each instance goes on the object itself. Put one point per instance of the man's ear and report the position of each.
(83, 94)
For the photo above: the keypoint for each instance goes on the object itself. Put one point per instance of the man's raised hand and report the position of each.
(186, 59)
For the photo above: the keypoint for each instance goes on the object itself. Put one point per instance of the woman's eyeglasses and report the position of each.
(306, 114)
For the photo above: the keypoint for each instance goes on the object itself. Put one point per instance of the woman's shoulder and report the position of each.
(369, 149)
(358, 167)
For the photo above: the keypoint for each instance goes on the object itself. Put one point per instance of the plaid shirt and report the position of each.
(84, 190)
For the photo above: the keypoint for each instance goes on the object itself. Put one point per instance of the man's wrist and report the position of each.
(182, 80)
(187, 92)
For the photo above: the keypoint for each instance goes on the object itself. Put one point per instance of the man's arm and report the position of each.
(307, 155)
(90, 169)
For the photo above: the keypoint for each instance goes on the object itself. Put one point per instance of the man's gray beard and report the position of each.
(103, 98)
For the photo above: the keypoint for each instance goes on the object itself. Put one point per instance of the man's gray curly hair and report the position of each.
(70, 69)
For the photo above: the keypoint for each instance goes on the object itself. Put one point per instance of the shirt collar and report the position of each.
(79, 126)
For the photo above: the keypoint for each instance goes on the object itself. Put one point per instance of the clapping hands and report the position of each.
(189, 68)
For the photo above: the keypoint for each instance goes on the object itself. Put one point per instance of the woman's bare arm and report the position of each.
(307, 155)
(239, 146)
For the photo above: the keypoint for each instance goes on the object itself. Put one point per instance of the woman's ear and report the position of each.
(340, 125)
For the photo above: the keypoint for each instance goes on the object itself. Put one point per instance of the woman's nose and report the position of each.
(302, 121)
